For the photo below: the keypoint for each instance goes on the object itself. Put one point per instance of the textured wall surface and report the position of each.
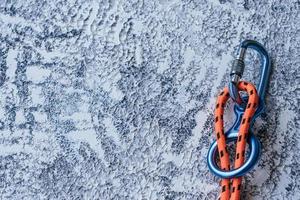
(112, 99)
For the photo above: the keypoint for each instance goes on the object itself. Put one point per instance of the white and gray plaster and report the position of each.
(111, 99)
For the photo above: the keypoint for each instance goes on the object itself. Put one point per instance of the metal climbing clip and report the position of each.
(232, 133)
(238, 69)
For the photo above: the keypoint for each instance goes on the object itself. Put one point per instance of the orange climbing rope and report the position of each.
(233, 191)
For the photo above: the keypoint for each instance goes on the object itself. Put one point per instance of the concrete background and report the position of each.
(114, 99)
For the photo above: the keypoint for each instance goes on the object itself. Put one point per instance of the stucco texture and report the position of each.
(112, 99)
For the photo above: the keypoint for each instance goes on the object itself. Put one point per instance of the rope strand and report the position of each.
(227, 192)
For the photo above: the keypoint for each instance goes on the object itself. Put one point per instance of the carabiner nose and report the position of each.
(238, 69)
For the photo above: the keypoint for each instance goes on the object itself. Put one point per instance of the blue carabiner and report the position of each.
(232, 133)
(238, 69)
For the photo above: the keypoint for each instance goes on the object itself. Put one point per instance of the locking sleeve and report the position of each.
(238, 66)
(237, 70)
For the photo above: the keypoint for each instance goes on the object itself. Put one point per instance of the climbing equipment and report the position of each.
(241, 130)
(246, 109)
